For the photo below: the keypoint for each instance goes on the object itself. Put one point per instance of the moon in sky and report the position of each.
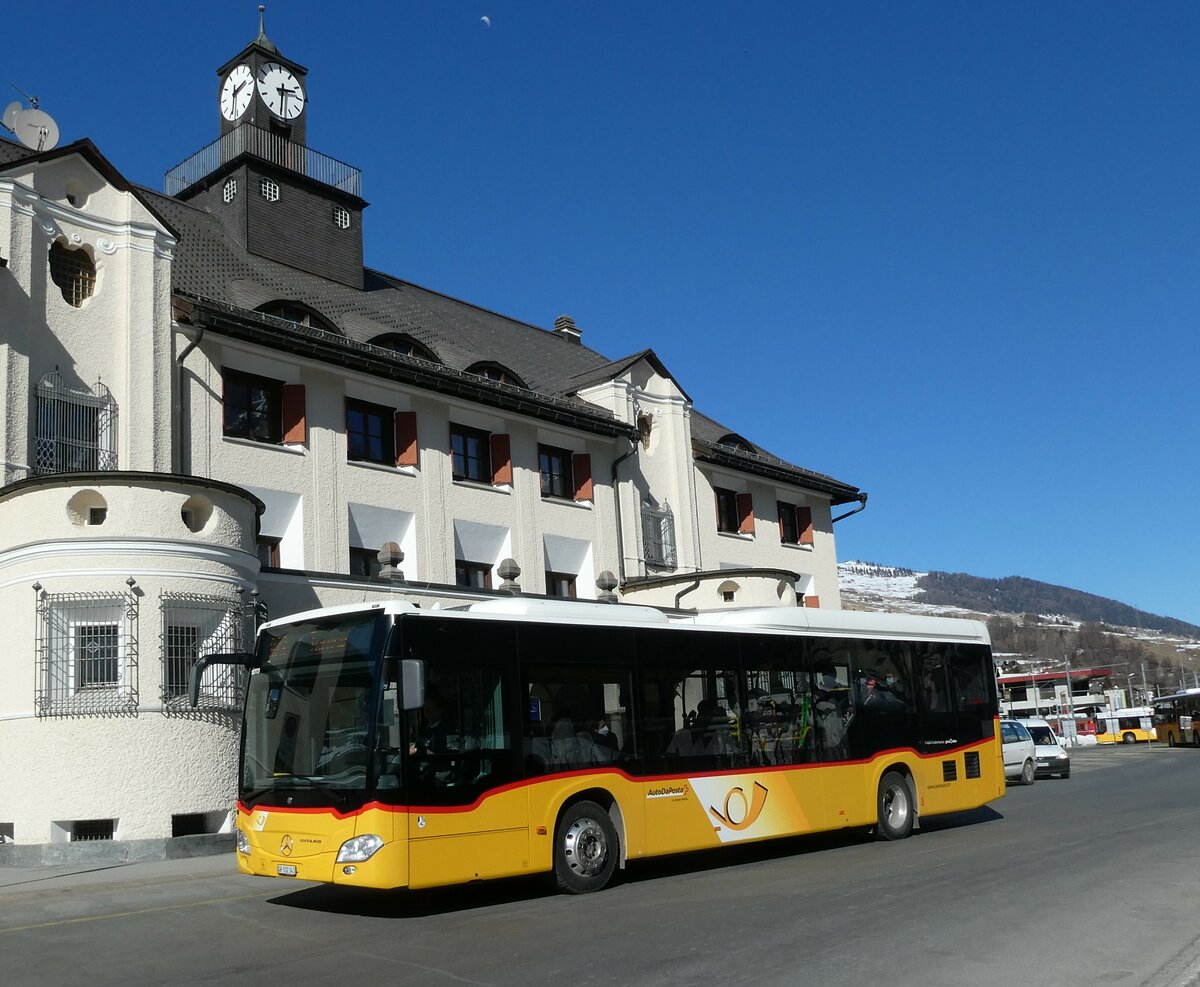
(487, 21)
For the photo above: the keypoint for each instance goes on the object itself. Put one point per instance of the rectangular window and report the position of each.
(369, 435)
(268, 551)
(253, 406)
(364, 562)
(181, 648)
(93, 830)
(555, 467)
(97, 656)
(727, 510)
(560, 584)
(577, 714)
(476, 575)
(789, 529)
(470, 450)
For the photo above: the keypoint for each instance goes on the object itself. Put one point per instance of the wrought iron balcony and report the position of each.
(249, 139)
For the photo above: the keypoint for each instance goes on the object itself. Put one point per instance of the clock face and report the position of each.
(236, 92)
(280, 90)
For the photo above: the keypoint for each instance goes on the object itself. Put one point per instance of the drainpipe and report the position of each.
(684, 592)
(617, 501)
(179, 393)
(862, 504)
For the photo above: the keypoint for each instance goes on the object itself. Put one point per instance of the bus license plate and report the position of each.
(286, 870)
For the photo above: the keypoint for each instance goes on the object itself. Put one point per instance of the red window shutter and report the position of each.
(581, 466)
(501, 459)
(804, 525)
(406, 438)
(745, 509)
(812, 601)
(293, 413)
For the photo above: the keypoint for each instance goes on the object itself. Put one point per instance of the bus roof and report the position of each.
(848, 623)
(829, 623)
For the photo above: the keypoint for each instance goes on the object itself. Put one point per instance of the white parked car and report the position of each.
(1020, 753)
(1051, 758)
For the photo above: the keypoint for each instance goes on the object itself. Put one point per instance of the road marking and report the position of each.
(138, 911)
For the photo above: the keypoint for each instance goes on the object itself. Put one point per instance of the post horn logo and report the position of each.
(285, 846)
(741, 817)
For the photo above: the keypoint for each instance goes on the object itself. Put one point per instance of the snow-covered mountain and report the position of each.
(868, 586)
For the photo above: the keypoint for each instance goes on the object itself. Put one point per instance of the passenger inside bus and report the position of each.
(707, 733)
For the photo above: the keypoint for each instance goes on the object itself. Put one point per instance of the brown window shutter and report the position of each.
(812, 601)
(581, 466)
(406, 438)
(804, 525)
(501, 459)
(293, 413)
(745, 508)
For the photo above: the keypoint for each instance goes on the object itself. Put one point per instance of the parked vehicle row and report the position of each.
(1032, 750)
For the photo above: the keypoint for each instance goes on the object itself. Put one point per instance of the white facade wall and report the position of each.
(317, 499)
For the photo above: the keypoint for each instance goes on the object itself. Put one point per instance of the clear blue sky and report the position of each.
(946, 252)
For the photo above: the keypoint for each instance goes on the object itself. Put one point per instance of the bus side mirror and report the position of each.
(225, 658)
(412, 682)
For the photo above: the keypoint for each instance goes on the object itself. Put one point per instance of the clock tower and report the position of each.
(275, 196)
(261, 87)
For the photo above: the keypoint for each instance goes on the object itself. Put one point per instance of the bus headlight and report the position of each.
(359, 848)
(243, 842)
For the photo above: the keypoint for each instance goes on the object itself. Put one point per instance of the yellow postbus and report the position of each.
(386, 746)
(1177, 718)
(1125, 726)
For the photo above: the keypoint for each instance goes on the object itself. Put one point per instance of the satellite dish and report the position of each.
(10, 115)
(35, 129)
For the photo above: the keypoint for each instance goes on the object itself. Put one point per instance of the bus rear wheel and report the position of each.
(585, 848)
(1129, 738)
(895, 807)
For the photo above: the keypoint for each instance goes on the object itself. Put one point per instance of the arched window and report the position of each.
(76, 428)
(300, 314)
(399, 342)
(498, 373)
(73, 271)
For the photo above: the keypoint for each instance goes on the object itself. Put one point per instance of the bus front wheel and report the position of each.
(895, 807)
(1129, 738)
(585, 848)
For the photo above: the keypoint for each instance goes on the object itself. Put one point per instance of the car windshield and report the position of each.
(308, 710)
(1043, 736)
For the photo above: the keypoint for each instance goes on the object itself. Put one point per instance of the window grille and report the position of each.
(73, 271)
(76, 428)
(195, 625)
(93, 830)
(230, 190)
(341, 218)
(658, 535)
(87, 653)
(270, 190)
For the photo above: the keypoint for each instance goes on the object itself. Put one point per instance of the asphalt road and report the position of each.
(1090, 881)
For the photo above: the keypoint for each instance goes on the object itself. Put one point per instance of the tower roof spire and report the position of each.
(262, 40)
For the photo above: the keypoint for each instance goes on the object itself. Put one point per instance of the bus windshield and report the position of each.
(309, 711)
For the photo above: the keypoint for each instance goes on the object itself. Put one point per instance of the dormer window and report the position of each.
(300, 314)
(500, 374)
(405, 345)
(734, 441)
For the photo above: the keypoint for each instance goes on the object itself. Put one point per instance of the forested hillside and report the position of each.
(1016, 594)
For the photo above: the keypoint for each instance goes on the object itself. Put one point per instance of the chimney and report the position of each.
(565, 327)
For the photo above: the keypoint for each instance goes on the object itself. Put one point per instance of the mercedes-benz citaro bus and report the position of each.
(386, 746)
